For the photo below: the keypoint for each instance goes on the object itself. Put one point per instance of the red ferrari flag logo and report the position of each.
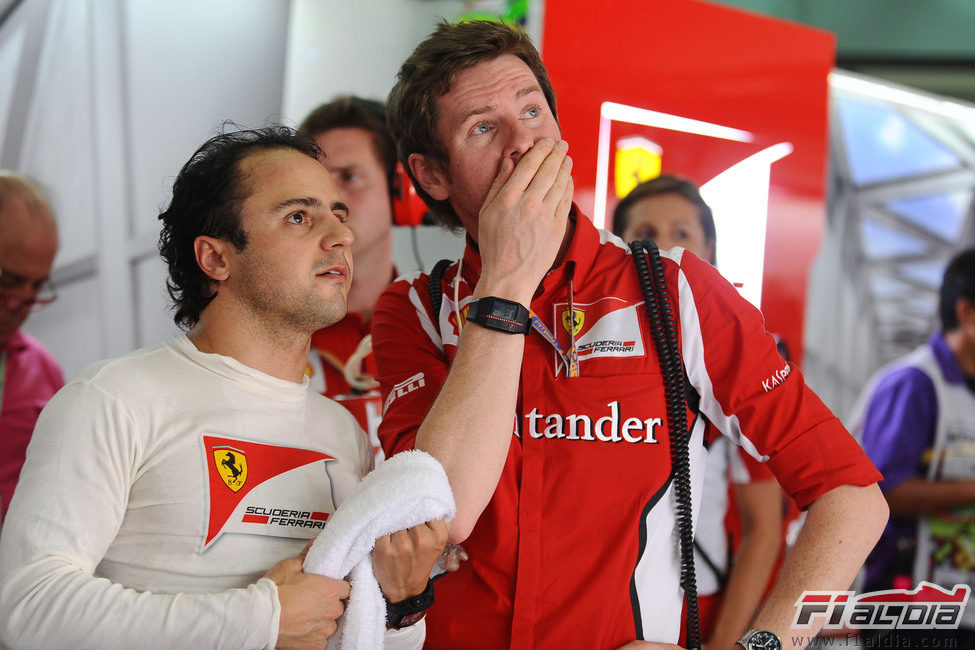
(242, 476)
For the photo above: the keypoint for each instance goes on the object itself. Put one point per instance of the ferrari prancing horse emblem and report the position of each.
(232, 466)
(573, 322)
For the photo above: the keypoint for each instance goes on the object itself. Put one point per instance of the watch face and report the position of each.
(505, 310)
(764, 641)
(499, 314)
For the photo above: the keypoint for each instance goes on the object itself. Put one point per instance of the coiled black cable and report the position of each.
(436, 291)
(664, 331)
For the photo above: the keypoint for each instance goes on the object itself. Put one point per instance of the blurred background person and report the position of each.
(361, 157)
(916, 419)
(29, 375)
(739, 536)
(670, 211)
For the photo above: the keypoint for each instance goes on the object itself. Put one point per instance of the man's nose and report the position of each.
(20, 291)
(664, 243)
(521, 140)
(336, 234)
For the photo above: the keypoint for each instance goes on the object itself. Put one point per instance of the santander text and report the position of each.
(610, 428)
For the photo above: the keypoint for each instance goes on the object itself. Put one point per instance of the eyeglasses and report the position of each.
(16, 291)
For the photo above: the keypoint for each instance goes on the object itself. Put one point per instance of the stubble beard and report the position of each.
(290, 306)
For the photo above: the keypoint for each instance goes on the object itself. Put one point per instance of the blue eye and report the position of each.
(533, 112)
(481, 128)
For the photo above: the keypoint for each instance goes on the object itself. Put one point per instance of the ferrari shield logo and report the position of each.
(572, 322)
(452, 318)
(231, 465)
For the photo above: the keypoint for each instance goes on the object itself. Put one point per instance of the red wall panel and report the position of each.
(716, 64)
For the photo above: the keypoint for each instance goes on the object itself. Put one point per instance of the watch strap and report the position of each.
(499, 314)
(411, 610)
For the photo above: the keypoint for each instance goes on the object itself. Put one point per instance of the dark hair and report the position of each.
(429, 72)
(959, 282)
(207, 196)
(348, 111)
(667, 184)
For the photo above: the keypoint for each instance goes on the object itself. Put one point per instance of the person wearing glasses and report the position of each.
(29, 375)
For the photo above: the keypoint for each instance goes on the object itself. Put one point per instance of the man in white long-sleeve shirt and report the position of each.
(168, 494)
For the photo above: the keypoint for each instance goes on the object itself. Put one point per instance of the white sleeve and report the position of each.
(367, 459)
(408, 638)
(68, 506)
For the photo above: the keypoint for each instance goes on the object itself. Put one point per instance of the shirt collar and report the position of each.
(17, 343)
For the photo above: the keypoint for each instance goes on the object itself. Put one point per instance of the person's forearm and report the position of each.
(746, 586)
(469, 427)
(918, 496)
(760, 505)
(841, 528)
(522, 227)
(53, 604)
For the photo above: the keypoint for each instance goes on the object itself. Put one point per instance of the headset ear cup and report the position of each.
(408, 207)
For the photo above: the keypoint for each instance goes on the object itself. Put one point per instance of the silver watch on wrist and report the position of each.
(760, 640)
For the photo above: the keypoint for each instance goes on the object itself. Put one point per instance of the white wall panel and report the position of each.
(68, 324)
(152, 325)
(58, 146)
(430, 243)
(189, 67)
(11, 45)
(341, 47)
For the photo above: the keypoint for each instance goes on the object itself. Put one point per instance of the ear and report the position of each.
(965, 311)
(209, 252)
(430, 175)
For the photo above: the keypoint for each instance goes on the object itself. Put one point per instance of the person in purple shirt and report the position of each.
(916, 421)
(29, 375)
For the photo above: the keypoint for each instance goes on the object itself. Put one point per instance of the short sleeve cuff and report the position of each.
(815, 463)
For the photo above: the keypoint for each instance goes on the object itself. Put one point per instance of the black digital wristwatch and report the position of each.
(499, 314)
(407, 612)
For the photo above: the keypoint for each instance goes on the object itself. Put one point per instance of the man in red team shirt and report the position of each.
(361, 157)
(569, 517)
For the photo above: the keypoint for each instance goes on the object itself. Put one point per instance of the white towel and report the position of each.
(404, 491)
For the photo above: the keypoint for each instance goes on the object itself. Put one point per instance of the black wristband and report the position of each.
(499, 314)
(409, 611)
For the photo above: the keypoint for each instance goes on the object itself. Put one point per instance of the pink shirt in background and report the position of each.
(32, 377)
